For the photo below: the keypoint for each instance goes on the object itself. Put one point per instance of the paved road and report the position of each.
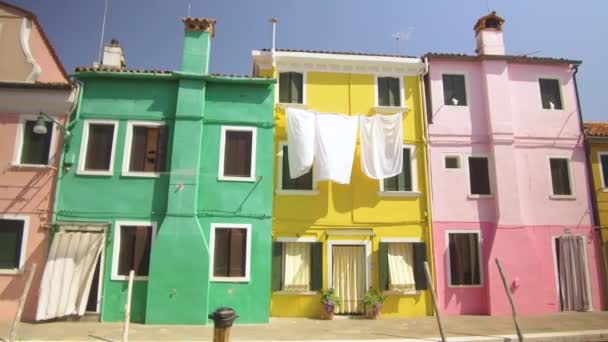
(589, 326)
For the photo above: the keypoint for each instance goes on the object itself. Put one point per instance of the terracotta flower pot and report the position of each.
(374, 311)
(328, 312)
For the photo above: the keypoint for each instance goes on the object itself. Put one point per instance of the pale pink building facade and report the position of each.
(32, 80)
(509, 181)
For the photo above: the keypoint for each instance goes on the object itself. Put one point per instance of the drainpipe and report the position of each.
(427, 165)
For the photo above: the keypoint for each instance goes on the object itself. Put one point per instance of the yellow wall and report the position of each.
(358, 204)
(600, 194)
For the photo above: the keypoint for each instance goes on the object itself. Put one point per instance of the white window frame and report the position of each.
(280, 190)
(304, 90)
(466, 88)
(586, 269)
(247, 276)
(24, 241)
(401, 91)
(603, 182)
(368, 259)
(453, 155)
(479, 257)
(84, 145)
(18, 149)
(116, 246)
(252, 177)
(302, 239)
(414, 172)
(561, 92)
(570, 179)
(490, 175)
(126, 160)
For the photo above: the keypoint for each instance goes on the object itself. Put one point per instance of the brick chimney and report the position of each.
(197, 43)
(489, 36)
(113, 56)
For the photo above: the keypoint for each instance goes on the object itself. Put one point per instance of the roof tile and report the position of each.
(510, 58)
(596, 129)
(342, 53)
(118, 70)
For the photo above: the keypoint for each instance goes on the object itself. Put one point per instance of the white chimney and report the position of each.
(113, 56)
(489, 35)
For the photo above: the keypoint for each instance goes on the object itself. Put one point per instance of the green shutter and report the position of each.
(383, 96)
(296, 87)
(284, 87)
(383, 266)
(419, 259)
(277, 266)
(407, 170)
(286, 180)
(316, 266)
(394, 89)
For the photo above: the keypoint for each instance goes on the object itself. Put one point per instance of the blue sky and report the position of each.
(150, 31)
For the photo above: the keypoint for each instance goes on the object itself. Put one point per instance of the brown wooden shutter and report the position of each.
(238, 153)
(150, 149)
(238, 245)
(383, 89)
(161, 149)
(221, 254)
(284, 87)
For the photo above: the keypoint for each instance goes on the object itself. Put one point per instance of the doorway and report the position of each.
(94, 300)
(349, 277)
(572, 276)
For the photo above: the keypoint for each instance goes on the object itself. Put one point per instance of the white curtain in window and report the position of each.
(401, 266)
(297, 266)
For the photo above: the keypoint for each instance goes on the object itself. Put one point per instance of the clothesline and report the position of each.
(328, 141)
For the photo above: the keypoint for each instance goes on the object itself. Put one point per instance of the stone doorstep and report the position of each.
(566, 336)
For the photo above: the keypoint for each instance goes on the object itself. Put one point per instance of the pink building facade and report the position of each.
(507, 165)
(32, 80)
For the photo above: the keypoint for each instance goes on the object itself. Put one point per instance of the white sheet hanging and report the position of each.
(300, 141)
(68, 273)
(381, 145)
(335, 141)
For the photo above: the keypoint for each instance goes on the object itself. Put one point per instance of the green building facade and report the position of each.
(176, 168)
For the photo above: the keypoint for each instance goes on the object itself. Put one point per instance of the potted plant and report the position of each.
(329, 300)
(372, 300)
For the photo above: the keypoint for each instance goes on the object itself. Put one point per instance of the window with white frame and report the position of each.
(389, 91)
(401, 266)
(296, 265)
(603, 161)
(464, 259)
(97, 149)
(231, 252)
(132, 248)
(405, 181)
(479, 175)
(13, 239)
(302, 183)
(561, 181)
(452, 162)
(237, 154)
(291, 87)
(550, 93)
(454, 90)
(145, 148)
(34, 148)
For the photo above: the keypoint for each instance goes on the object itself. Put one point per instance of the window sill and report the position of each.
(295, 293)
(604, 189)
(402, 293)
(471, 196)
(553, 110)
(236, 179)
(141, 174)
(563, 197)
(297, 192)
(13, 271)
(229, 279)
(32, 166)
(399, 194)
(465, 286)
(390, 109)
(292, 105)
(94, 173)
(456, 106)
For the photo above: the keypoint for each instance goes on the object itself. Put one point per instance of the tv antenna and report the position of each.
(188, 8)
(103, 29)
(402, 35)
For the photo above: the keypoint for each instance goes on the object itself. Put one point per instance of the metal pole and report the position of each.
(513, 312)
(125, 333)
(429, 281)
(22, 300)
(103, 29)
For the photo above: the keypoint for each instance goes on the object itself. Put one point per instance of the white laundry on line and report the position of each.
(335, 142)
(300, 141)
(381, 145)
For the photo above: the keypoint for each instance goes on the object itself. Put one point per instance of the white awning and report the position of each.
(68, 273)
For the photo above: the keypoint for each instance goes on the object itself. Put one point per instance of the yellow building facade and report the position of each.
(319, 228)
(597, 139)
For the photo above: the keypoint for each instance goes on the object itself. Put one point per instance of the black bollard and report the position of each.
(222, 322)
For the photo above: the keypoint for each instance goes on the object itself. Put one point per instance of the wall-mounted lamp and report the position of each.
(40, 126)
